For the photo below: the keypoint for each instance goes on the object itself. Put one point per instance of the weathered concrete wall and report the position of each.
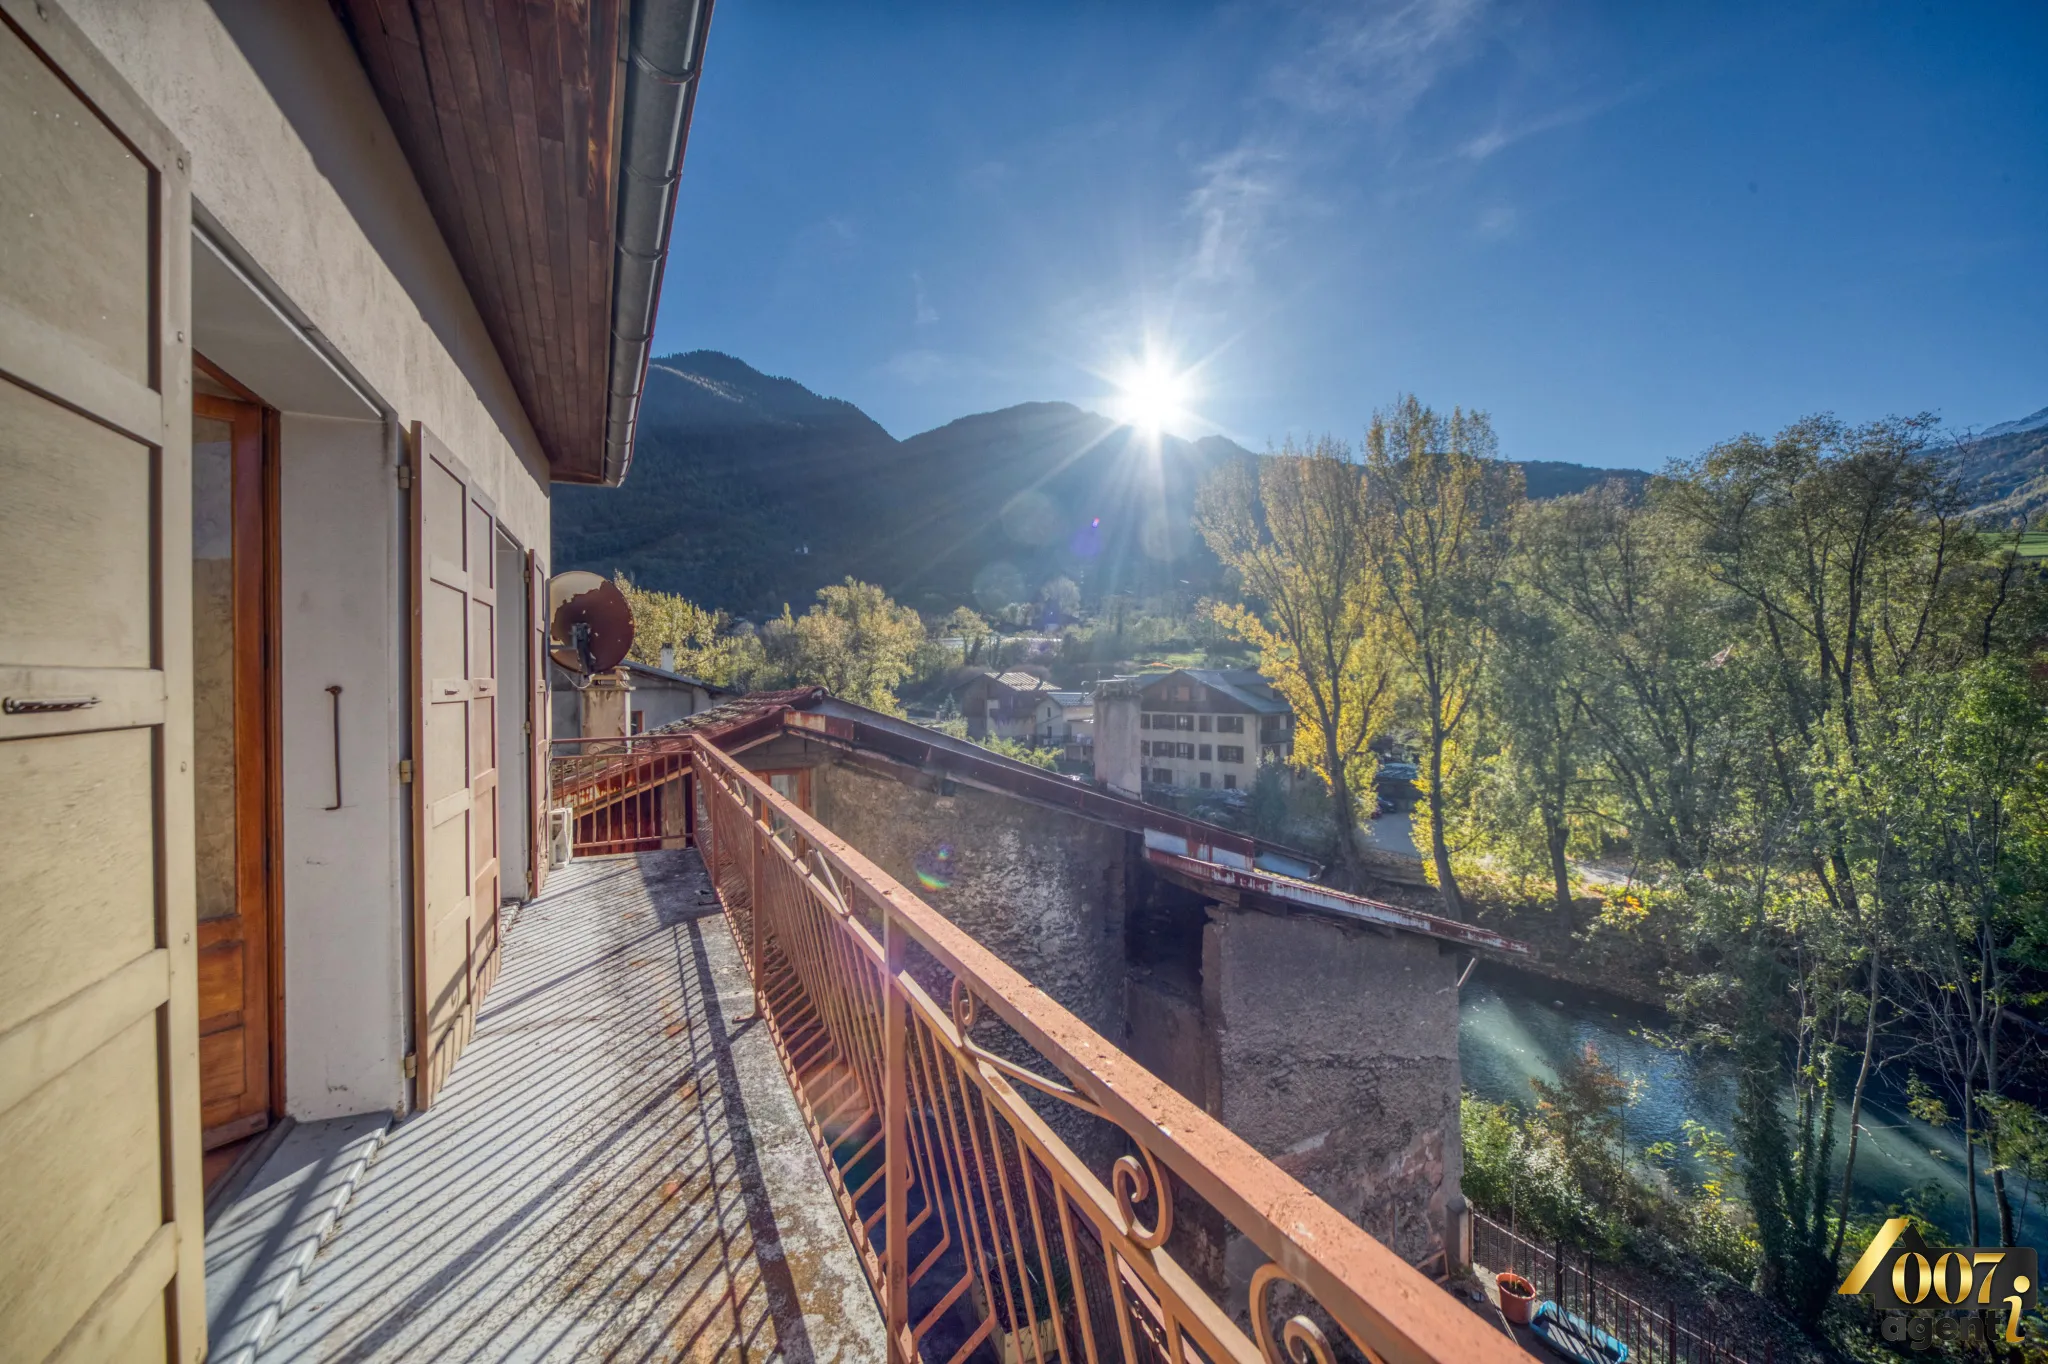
(1116, 737)
(1338, 1057)
(1042, 889)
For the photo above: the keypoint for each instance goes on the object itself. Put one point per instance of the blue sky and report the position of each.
(1627, 231)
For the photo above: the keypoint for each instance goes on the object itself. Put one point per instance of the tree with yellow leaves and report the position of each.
(706, 643)
(1436, 518)
(1293, 526)
(856, 643)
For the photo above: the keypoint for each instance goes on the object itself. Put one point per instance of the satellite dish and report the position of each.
(590, 627)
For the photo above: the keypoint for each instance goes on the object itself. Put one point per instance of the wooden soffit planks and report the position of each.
(509, 112)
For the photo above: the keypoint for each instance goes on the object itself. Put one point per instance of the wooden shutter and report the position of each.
(537, 717)
(103, 1250)
(455, 739)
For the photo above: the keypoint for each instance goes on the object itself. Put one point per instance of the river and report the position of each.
(1514, 1027)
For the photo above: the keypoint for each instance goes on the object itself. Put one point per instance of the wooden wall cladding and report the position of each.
(509, 115)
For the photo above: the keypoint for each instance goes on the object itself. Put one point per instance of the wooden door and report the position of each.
(455, 741)
(234, 721)
(101, 1224)
(537, 721)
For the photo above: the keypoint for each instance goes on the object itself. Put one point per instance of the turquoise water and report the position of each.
(1513, 1028)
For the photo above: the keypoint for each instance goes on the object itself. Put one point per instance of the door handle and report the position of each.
(335, 692)
(46, 705)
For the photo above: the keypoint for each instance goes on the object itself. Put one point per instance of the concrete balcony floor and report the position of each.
(616, 1170)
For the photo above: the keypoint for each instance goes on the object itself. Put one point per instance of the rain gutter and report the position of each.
(664, 58)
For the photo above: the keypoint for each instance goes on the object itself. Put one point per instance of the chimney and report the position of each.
(668, 658)
(1116, 736)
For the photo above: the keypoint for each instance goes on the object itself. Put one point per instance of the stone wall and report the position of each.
(1337, 1056)
(1042, 889)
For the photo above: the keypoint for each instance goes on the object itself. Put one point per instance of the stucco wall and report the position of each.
(293, 159)
(1338, 1058)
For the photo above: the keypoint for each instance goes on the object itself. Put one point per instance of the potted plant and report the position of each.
(1517, 1294)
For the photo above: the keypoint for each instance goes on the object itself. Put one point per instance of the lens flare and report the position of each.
(935, 867)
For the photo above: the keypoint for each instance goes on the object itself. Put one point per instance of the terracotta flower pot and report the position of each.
(1516, 1295)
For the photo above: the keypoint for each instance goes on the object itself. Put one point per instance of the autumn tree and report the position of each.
(970, 627)
(856, 643)
(706, 642)
(1294, 527)
(1436, 523)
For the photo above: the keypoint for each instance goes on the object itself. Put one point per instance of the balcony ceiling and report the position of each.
(510, 114)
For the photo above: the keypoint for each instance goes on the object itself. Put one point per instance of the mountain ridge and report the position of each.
(749, 490)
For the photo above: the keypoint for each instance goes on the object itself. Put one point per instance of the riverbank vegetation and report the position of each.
(1790, 693)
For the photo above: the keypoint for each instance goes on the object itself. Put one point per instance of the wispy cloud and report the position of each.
(1496, 222)
(1232, 208)
(923, 313)
(1507, 132)
(1342, 64)
(1376, 61)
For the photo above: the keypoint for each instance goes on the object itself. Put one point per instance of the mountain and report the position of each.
(2004, 471)
(748, 491)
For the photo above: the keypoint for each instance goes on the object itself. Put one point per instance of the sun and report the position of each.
(1153, 395)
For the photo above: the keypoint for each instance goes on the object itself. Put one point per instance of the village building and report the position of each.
(632, 698)
(1198, 728)
(1004, 705)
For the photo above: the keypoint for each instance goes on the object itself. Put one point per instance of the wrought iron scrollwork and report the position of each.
(964, 1007)
(1305, 1342)
(1134, 1184)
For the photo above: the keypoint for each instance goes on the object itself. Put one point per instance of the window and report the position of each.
(1230, 724)
(1144, 748)
(1229, 781)
(1230, 753)
(1185, 721)
(1163, 775)
(1144, 719)
(1204, 753)
(1205, 781)
(1184, 693)
(1205, 724)
(1186, 751)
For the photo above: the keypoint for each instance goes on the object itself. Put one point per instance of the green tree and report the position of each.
(1293, 526)
(1963, 766)
(1582, 1112)
(706, 643)
(970, 627)
(856, 643)
(1535, 715)
(1437, 511)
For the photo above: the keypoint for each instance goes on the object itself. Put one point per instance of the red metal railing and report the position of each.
(1653, 1335)
(954, 1138)
(622, 795)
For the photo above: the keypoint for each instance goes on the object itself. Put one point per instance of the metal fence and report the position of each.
(952, 1135)
(622, 795)
(1654, 1335)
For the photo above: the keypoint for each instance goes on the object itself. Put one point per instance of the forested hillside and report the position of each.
(749, 491)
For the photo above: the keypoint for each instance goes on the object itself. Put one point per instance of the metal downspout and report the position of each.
(665, 55)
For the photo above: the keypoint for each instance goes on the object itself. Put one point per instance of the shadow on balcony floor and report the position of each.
(615, 1171)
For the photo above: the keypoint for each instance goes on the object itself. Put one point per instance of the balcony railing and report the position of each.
(621, 795)
(951, 1133)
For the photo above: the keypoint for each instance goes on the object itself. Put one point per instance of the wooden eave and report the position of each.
(510, 115)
